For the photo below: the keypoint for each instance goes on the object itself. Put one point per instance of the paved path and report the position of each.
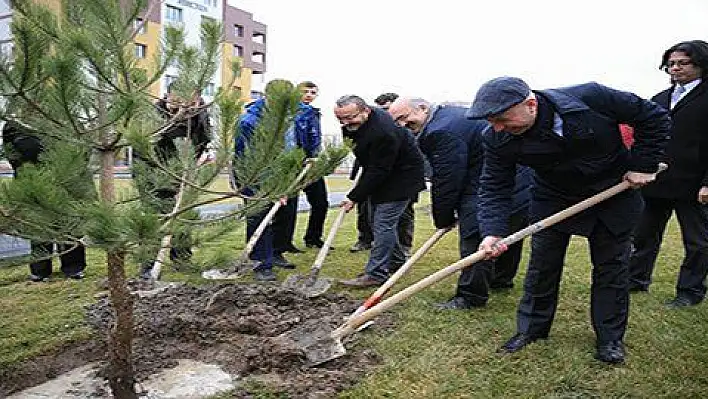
(12, 246)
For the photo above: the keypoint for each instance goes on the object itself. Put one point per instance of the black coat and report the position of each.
(20, 145)
(587, 159)
(393, 164)
(687, 151)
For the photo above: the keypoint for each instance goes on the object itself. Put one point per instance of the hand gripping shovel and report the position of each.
(320, 346)
(375, 298)
(243, 263)
(309, 285)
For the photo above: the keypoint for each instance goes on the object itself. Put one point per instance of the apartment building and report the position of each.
(245, 39)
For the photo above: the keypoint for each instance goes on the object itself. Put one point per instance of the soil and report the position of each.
(232, 325)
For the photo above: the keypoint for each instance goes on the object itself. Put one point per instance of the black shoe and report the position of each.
(38, 279)
(146, 271)
(293, 250)
(517, 343)
(76, 276)
(316, 244)
(611, 352)
(360, 246)
(280, 261)
(457, 303)
(501, 286)
(264, 275)
(638, 288)
(679, 302)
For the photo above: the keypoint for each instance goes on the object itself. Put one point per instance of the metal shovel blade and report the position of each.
(236, 270)
(315, 341)
(308, 286)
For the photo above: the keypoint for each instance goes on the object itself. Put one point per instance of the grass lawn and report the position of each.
(436, 354)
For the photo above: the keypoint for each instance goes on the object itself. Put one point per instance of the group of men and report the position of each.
(514, 157)
(566, 144)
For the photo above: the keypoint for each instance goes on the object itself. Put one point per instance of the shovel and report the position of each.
(375, 298)
(319, 346)
(309, 285)
(243, 263)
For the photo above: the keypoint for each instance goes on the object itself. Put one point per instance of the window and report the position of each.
(238, 30)
(140, 50)
(209, 90)
(259, 38)
(209, 3)
(258, 57)
(238, 51)
(174, 14)
(140, 25)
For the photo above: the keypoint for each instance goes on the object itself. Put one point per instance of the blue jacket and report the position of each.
(453, 146)
(308, 134)
(247, 125)
(588, 158)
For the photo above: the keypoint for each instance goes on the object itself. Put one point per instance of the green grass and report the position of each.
(433, 354)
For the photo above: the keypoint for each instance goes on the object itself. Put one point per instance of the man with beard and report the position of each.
(392, 177)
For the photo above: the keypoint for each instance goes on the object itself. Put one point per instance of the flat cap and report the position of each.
(496, 96)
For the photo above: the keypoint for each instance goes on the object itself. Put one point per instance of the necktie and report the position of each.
(676, 95)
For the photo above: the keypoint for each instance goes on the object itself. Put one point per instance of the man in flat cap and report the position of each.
(571, 138)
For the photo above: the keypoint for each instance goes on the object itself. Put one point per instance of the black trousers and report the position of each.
(284, 226)
(316, 194)
(72, 262)
(609, 299)
(475, 280)
(693, 221)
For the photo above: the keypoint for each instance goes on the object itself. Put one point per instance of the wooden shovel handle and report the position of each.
(383, 289)
(322, 254)
(269, 216)
(352, 324)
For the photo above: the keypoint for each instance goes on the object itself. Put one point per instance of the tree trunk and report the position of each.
(120, 371)
(121, 377)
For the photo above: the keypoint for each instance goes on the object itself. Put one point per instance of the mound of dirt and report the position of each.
(235, 326)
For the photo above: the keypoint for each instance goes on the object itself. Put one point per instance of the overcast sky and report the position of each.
(443, 50)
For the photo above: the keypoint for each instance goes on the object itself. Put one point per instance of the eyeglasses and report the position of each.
(677, 63)
(312, 91)
(347, 118)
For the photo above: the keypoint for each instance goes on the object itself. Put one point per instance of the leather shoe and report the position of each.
(293, 250)
(638, 288)
(457, 303)
(264, 275)
(362, 281)
(280, 261)
(317, 244)
(360, 246)
(610, 352)
(679, 302)
(517, 343)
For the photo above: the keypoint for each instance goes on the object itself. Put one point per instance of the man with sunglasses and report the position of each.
(392, 177)
(683, 188)
(570, 137)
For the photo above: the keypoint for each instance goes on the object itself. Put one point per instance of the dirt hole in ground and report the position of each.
(231, 325)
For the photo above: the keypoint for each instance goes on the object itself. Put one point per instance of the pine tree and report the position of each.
(72, 80)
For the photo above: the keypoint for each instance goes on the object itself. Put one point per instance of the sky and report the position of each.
(443, 50)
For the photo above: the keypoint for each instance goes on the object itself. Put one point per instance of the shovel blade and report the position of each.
(316, 342)
(306, 285)
(236, 270)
